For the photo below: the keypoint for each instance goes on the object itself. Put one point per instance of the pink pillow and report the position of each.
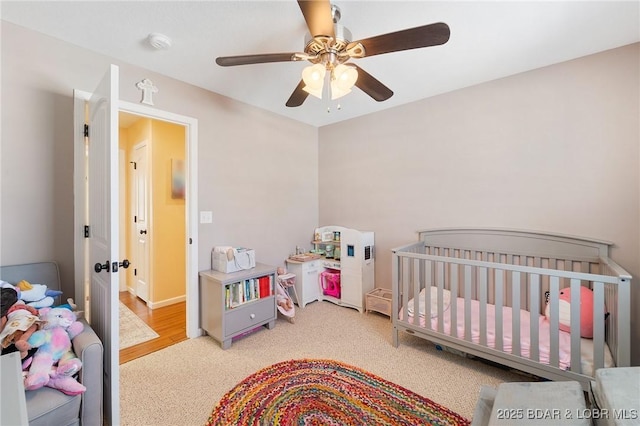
(586, 311)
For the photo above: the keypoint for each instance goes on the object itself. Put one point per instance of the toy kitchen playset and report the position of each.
(340, 268)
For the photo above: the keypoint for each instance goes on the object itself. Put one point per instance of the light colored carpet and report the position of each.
(132, 329)
(182, 384)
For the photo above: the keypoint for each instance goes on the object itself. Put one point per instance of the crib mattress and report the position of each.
(617, 395)
(586, 346)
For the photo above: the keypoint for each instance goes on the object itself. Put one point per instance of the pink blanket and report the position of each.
(507, 342)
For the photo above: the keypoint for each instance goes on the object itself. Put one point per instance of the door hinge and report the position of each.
(135, 219)
(190, 241)
(86, 231)
(86, 130)
(135, 165)
(135, 272)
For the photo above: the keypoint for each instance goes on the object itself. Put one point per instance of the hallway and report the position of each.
(168, 321)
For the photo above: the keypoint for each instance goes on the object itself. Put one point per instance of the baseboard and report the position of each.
(167, 302)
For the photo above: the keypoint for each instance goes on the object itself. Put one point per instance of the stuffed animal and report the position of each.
(586, 311)
(22, 322)
(54, 363)
(37, 295)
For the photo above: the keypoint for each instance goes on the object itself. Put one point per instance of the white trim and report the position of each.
(81, 283)
(122, 193)
(191, 125)
(167, 302)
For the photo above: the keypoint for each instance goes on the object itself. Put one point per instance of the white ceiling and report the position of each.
(489, 40)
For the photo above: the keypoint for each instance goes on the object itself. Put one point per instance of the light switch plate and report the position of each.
(206, 217)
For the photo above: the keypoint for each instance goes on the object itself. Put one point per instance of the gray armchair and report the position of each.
(47, 406)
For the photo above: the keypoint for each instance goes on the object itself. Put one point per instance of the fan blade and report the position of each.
(298, 96)
(317, 13)
(412, 38)
(228, 61)
(371, 86)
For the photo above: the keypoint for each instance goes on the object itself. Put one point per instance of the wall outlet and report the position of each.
(206, 217)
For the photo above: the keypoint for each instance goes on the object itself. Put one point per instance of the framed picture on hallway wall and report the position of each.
(177, 179)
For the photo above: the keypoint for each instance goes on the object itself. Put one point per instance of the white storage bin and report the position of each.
(241, 258)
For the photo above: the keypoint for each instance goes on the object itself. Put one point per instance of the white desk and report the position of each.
(13, 406)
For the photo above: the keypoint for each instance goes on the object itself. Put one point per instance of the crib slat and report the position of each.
(499, 301)
(491, 284)
(467, 302)
(515, 306)
(405, 287)
(454, 293)
(534, 308)
(554, 322)
(440, 284)
(482, 299)
(415, 275)
(524, 294)
(428, 282)
(623, 310)
(598, 327)
(575, 326)
(538, 262)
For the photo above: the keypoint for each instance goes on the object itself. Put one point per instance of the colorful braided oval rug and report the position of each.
(325, 392)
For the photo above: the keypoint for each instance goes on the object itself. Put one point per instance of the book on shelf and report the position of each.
(248, 290)
(266, 286)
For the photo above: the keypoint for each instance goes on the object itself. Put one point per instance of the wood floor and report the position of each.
(170, 322)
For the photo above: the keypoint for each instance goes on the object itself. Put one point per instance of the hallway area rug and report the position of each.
(133, 330)
(326, 392)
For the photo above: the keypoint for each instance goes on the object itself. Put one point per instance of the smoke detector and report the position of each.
(159, 41)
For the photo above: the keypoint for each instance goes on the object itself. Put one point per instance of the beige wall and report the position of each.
(555, 149)
(257, 172)
(168, 223)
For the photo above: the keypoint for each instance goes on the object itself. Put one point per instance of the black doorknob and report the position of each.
(125, 264)
(99, 267)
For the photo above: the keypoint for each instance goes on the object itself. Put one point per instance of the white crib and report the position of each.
(487, 298)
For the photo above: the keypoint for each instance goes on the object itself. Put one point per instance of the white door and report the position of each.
(103, 235)
(141, 221)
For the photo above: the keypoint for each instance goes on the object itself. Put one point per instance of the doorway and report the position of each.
(153, 230)
(183, 130)
(155, 206)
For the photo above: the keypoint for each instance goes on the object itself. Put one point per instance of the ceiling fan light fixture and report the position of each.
(337, 91)
(345, 76)
(313, 77)
(343, 79)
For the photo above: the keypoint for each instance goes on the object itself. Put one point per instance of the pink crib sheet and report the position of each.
(564, 339)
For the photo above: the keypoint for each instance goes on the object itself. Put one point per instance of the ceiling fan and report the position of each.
(329, 48)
